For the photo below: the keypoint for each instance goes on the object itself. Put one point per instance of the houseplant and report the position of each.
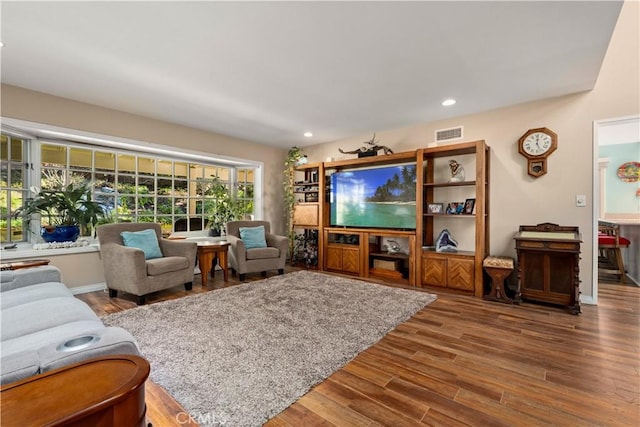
(293, 158)
(226, 208)
(65, 213)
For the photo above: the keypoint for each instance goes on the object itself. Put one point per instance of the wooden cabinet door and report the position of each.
(460, 273)
(351, 260)
(434, 271)
(306, 214)
(333, 258)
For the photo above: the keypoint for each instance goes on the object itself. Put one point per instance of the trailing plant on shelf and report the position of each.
(294, 155)
(67, 208)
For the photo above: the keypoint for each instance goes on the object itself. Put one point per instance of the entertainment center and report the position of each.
(377, 217)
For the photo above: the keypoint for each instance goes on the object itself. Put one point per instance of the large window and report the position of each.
(13, 186)
(181, 195)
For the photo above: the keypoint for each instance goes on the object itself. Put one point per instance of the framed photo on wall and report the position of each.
(469, 205)
(434, 208)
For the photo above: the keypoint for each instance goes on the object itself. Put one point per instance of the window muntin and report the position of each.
(13, 186)
(131, 186)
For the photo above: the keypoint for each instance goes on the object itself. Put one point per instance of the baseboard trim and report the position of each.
(587, 300)
(88, 288)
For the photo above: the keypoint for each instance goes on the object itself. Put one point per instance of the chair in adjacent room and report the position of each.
(137, 260)
(253, 248)
(610, 244)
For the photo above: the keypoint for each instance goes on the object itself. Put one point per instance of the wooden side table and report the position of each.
(207, 253)
(23, 264)
(103, 391)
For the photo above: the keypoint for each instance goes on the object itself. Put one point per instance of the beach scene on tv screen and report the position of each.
(379, 197)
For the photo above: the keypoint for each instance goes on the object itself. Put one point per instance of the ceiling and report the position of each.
(269, 71)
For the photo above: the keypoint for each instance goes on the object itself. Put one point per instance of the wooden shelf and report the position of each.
(450, 184)
(401, 256)
(460, 270)
(463, 253)
(407, 156)
(308, 215)
(450, 215)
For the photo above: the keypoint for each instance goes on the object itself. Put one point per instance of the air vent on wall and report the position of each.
(450, 134)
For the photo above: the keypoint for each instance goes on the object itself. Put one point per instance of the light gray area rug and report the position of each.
(239, 356)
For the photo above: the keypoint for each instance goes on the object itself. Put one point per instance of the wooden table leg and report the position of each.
(205, 258)
(223, 263)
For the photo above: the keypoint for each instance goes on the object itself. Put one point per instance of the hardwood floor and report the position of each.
(466, 361)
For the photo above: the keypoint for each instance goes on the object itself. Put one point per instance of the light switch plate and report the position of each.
(581, 200)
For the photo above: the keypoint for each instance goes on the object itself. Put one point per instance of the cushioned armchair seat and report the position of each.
(126, 269)
(258, 259)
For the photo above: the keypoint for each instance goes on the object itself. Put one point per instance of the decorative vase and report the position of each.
(60, 233)
(214, 232)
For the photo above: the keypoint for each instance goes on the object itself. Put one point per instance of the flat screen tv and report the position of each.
(376, 197)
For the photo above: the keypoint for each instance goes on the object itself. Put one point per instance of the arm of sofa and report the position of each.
(106, 341)
(18, 366)
(14, 279)
(54, 355)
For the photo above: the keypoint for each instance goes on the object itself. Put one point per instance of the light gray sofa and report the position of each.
(45, 327)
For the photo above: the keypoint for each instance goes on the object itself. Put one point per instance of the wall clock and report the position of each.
(536, 145)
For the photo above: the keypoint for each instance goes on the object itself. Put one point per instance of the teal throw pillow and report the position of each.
(147, 240)
(253, 237)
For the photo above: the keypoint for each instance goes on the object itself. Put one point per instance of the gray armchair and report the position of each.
(243, 260)
(127, 270)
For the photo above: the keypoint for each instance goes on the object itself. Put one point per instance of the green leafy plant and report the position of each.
(293, 157)
(227, 208)
(70, 205)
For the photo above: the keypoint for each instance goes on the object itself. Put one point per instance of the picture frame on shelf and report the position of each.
(469, 205)
(455, 208)
(435, 208)
(313, 178)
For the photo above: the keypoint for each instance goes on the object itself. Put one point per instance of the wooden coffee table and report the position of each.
(207, 253)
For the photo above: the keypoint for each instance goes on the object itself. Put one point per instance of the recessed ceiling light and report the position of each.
(1, 44)
(448, 102)
(308, 134)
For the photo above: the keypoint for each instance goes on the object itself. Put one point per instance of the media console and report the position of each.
(364, 252)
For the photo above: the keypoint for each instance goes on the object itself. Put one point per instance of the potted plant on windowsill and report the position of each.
(65, 213)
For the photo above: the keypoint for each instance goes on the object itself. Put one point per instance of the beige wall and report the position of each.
(23, 104)
(515, 197)
(90, 274)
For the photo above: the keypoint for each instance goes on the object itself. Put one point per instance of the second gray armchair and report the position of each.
(270, 256)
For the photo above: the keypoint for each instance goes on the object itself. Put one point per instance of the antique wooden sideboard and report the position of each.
(548, 264)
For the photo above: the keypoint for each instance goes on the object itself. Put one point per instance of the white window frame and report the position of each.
(57, 135)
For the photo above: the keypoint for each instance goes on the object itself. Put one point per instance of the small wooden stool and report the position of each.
(498, 268)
